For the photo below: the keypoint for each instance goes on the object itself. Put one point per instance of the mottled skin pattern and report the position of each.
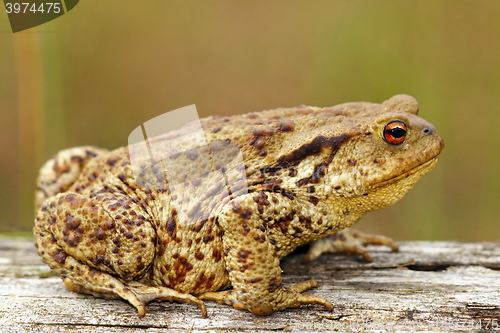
(310, 173)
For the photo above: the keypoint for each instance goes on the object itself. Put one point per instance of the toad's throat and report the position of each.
(417, 171)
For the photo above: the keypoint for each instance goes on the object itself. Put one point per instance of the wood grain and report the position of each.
(427, 286)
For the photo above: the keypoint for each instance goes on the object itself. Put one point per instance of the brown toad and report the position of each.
(188, 235)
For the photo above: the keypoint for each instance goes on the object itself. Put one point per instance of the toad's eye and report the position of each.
(395, 132)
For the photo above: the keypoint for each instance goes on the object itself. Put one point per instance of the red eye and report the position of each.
(395, 132)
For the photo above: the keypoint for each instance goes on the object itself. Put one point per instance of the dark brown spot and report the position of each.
(199, 225)
(260, 238)
(287, 194)
(216, 255)
(258, 143)
(194, 213)
(246, 229)
(306, 221)
(318, 173)
(162, 247)
(93, 176)
(243, 255)
(255, 280)
(192, 154)
(274, 285)
(172, 228)
(174, 154)
(313, 148)
(198, 255)
(99, 234)
(310, 189)
(52, 220)
(72, 223)
(269, 170)
(108, 225)
(286, 126)
(208, 238)
(59, 170)
(262, 131)
(245, 214)
(272, 184)
(72, 240)
(89, 154)
(112, 160)
(77, 159)
(313, 200)
(60, 256)
(200, 281)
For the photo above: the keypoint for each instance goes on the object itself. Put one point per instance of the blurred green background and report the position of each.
(93, 75)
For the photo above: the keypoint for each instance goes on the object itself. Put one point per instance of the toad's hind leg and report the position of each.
(103, 285)
(61, 171)
(101, 255)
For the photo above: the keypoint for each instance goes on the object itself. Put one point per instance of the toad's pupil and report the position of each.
(397, 132)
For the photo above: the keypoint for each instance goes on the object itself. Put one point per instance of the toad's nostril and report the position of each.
(427, 130)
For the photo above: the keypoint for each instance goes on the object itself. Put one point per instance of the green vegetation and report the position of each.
(93, 75)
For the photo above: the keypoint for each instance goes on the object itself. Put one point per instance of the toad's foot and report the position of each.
(288, 298)
(145, 294)
(137, 294)
(349, 241)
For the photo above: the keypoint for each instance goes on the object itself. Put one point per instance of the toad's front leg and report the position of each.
(350, 241)
(252, 260)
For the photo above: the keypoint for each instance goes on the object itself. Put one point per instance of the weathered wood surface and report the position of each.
(428, 286)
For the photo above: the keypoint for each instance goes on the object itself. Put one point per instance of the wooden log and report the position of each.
(427, 286)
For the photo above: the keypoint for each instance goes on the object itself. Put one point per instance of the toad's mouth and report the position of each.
(416, 173)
